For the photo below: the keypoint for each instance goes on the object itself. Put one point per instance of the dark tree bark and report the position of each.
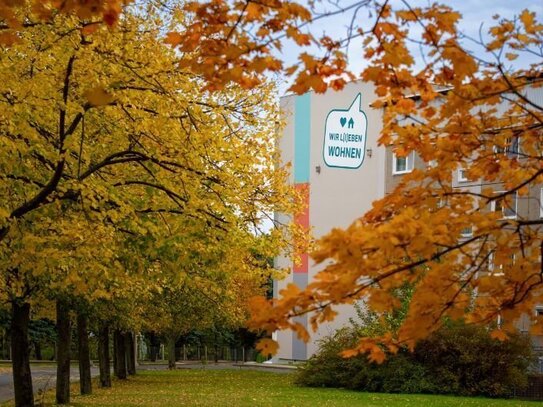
(154, 353)
(130, 353)
(114, 353)
(120, 355)
(170, 343)
(103, 356)
(20, 355)
(155, 346)
(63, 352)
(37, 350)
(85, 384)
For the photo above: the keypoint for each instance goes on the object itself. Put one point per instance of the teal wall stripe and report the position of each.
(302, 137)
(302, 152)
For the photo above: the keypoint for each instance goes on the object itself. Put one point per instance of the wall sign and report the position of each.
(345, 136)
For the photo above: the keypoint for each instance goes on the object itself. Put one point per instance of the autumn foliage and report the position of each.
(457, 109)
(124, 184)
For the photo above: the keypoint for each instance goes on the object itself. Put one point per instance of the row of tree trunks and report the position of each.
(124, 353)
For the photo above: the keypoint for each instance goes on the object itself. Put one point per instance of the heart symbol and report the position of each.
(343, 120)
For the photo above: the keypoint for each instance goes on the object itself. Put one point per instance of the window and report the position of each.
(539, 311)
(541, 204)
(467, 232)
(403, 165)
(509, 148)
(497, 269)
(507, 205)
(462, 177)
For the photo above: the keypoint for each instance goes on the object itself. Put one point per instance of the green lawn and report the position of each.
(233, 388)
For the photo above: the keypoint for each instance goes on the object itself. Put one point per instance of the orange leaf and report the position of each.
(173, 39)
(9, 38)
(498, 334)
(267, 346)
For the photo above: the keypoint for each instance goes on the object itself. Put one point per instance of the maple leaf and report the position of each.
(173, 38)
(267, 347)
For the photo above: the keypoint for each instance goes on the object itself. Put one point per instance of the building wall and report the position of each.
(336, 196)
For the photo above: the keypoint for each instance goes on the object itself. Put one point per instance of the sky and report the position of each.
(475, 14)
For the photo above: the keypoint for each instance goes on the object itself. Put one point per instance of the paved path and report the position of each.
(246, 366)
(43, 378)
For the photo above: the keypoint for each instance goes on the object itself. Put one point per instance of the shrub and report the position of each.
(465, 360)
(458, 359)
(327, 368)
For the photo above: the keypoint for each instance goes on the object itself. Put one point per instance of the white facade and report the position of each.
(342, 182)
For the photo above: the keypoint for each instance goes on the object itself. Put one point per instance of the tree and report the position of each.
(471, 111)
(103, 132)
(208, 277)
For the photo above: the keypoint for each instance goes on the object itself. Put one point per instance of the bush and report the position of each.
(260, 358)
(465, 360)
(327, 368)
(458, 359)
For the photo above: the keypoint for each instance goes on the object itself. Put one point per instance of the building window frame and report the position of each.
(409, 163)
(497, 271)
(511, 147)
(467, 232)
(504, 208)
(461, 175)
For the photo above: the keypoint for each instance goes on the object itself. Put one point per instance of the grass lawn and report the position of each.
(233, 388)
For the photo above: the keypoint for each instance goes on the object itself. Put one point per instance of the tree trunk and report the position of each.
(155, 346)
(114, 354)
(171, 352)
(120, 355)
(63, 352)
(154, 353)
(103, 356)
(85, 384)
(20, 354)
(37, 350)
(130, 356)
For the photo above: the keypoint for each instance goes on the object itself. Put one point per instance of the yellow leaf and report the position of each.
(98, 96)
(528, 20)
(511, 56)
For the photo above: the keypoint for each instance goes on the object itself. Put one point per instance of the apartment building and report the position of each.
(331, 141)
